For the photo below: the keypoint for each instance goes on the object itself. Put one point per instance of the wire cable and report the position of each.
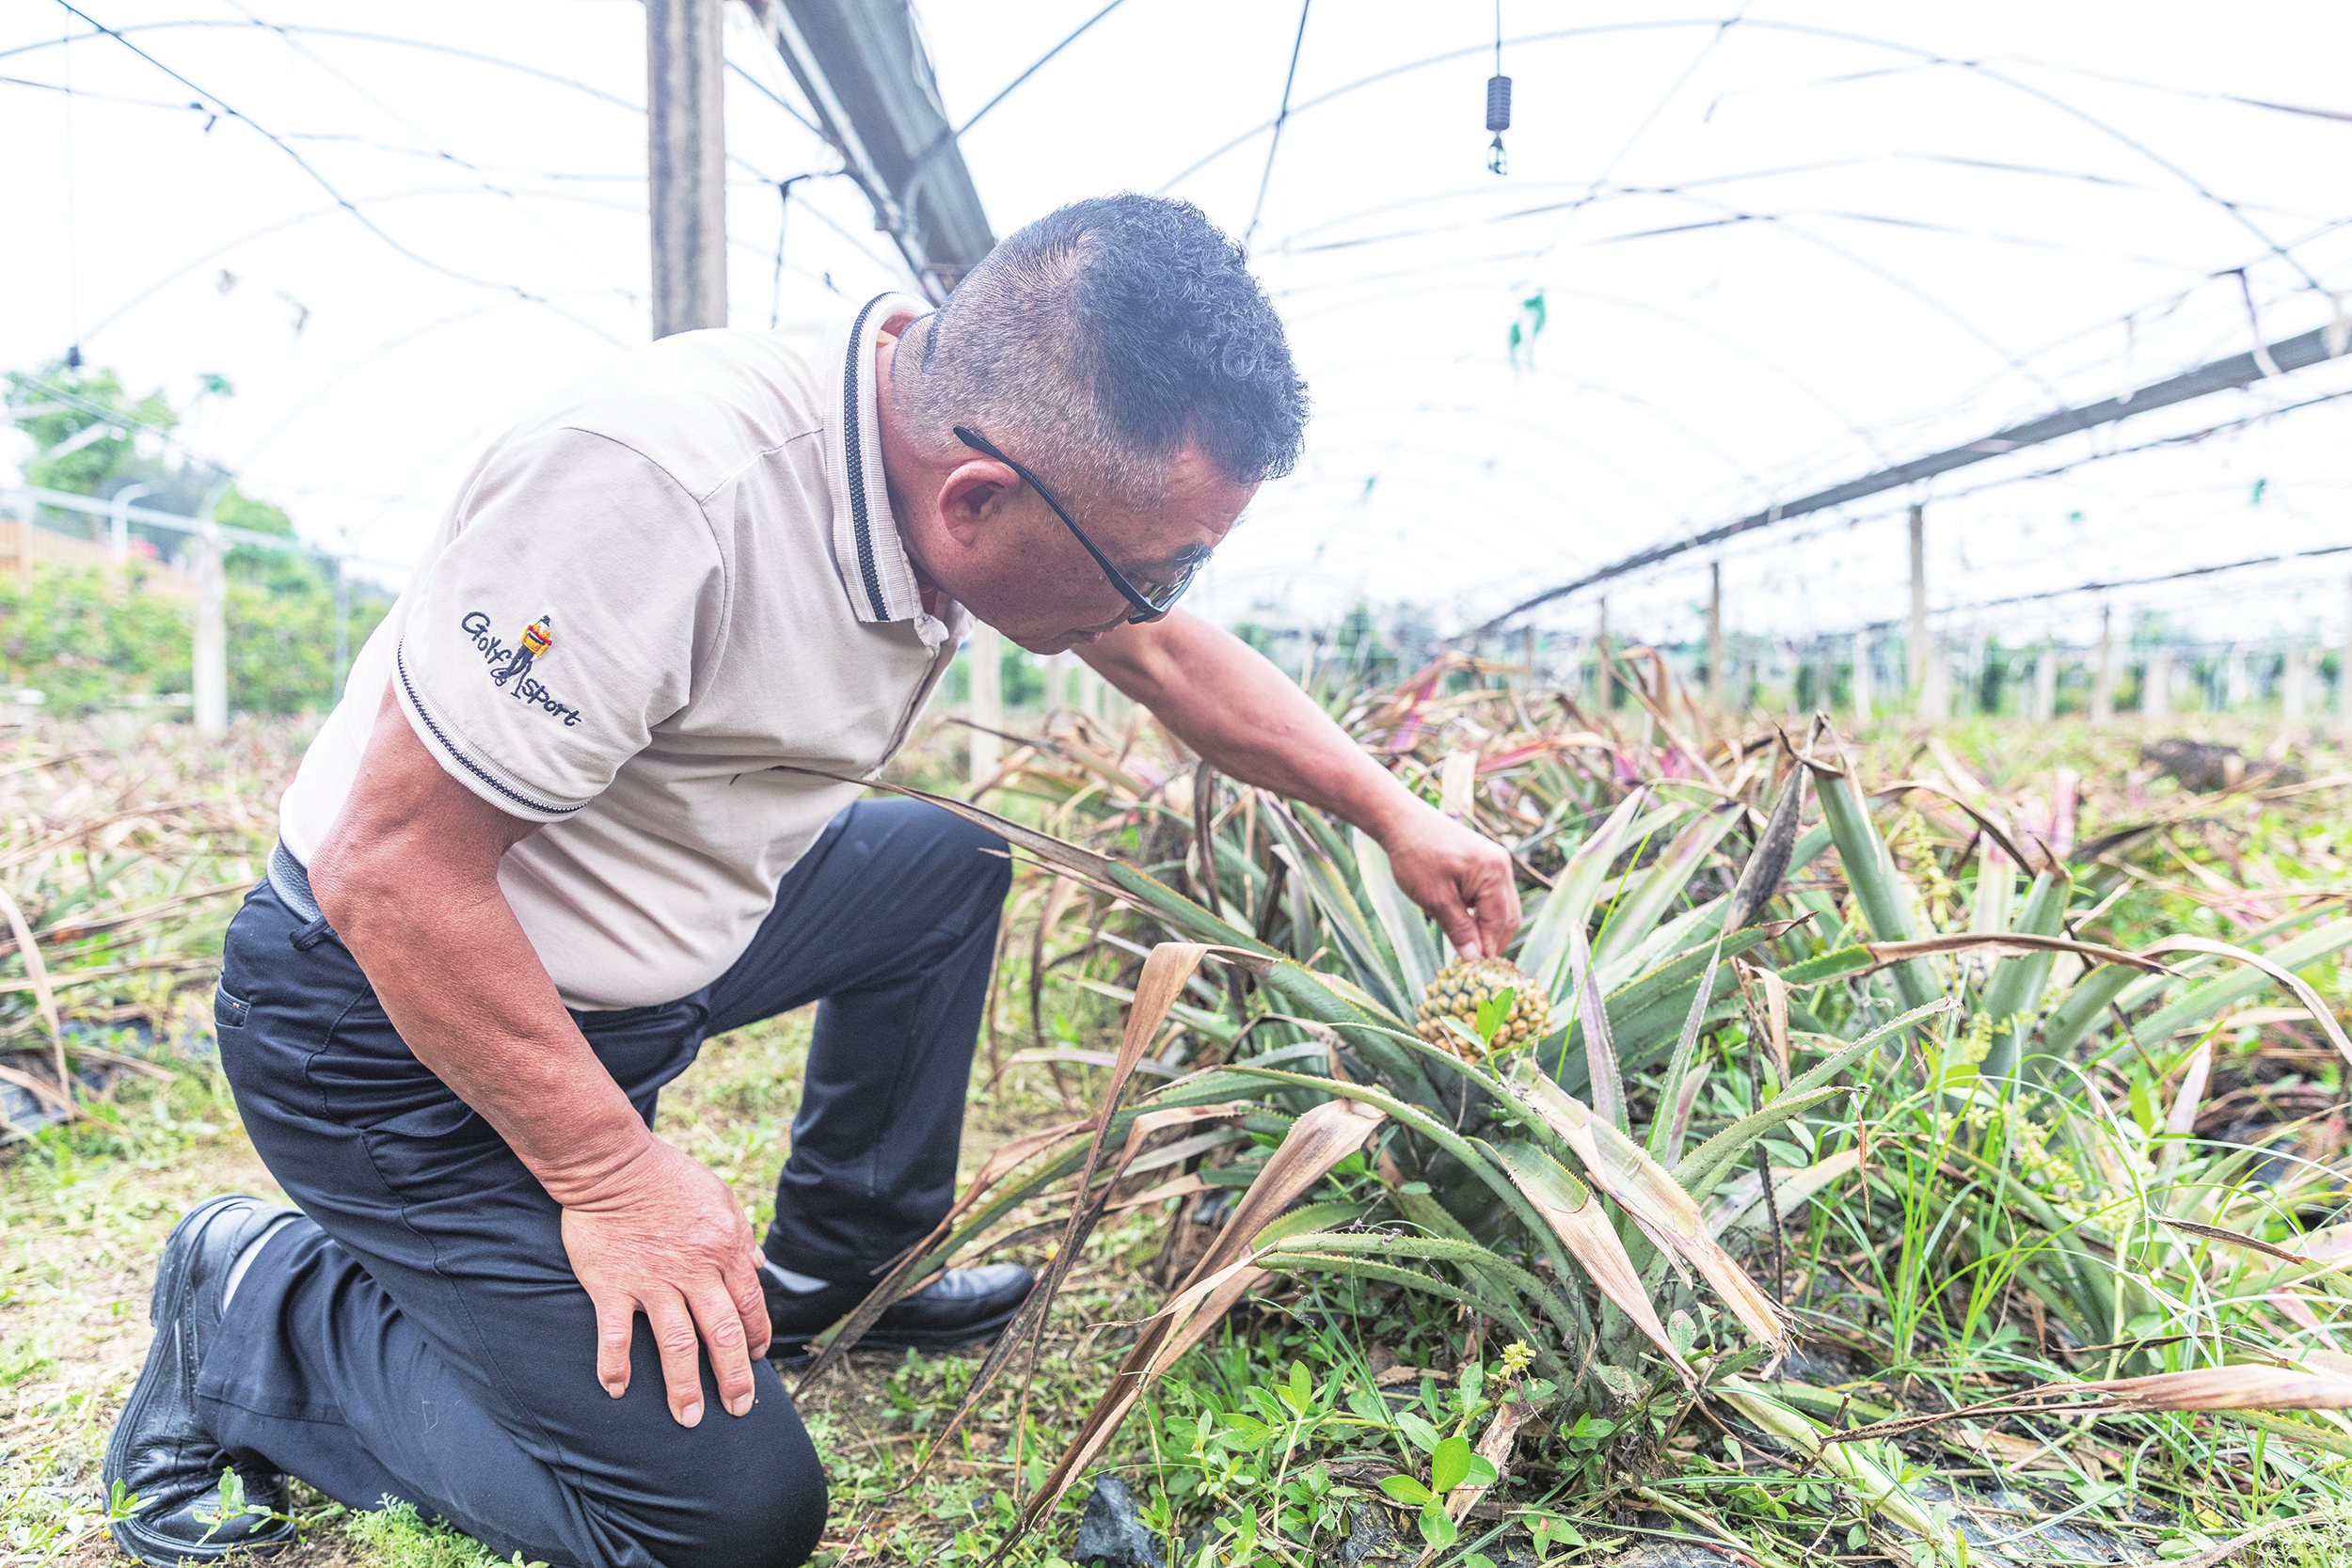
(339, 199)
(1281, 117)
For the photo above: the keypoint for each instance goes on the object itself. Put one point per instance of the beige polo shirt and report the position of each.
(650, 596)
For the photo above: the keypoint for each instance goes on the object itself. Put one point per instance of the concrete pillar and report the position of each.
(2045, 672)
(1057, 670)
(211, 669)
(1091, 687)
(983, 658)
(2155, 691)
(2234, 689)
(1974, 702)
(2103, 679)
(1862, 702)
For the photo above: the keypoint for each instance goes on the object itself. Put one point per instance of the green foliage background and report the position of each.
(70, 636)
(66, 637)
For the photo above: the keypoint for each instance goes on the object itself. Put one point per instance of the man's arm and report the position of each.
(1230, 704)
(408, 876)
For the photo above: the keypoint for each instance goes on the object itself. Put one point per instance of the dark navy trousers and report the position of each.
(420, 1334)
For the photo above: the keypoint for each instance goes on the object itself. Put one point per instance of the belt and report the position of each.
(290, 882)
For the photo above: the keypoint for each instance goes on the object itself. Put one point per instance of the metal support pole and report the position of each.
(2344, 672)
(1717, 679)
(342, 627)
(2045, 672)
(1918, 646)
(2155, 691)
(983, 658)
(119, 516)
(1935, 685)
(686, 165)
(211, 672)
(2294, 675)
(1601, 653)
(2102, 681)
(1862, 702)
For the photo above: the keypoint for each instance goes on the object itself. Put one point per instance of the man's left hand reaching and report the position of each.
(1463, 879)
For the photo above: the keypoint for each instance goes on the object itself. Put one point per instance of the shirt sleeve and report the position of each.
(582, 593)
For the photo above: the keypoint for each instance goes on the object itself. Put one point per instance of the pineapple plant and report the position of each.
(1515, 1176)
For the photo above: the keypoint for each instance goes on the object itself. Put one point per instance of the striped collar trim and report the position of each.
(875, 571)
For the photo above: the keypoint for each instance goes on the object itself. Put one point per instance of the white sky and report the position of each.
(1777, 251)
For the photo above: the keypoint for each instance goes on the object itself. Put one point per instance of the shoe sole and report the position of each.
(165, 1303)
(797, 1348)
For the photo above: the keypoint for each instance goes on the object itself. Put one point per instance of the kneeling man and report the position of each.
(569, 822)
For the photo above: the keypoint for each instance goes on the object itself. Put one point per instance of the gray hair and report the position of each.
(1098, 343)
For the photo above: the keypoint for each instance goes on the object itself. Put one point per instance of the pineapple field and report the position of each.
(1918, 1146)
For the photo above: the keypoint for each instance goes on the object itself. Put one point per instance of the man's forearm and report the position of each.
(1230, 704)
(409, 877)
(461, 983)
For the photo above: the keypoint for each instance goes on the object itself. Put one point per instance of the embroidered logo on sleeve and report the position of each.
(511, 665)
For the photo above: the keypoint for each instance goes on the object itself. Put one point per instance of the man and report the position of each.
(570, 821)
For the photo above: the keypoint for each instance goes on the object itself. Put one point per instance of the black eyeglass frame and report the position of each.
(1147, 608)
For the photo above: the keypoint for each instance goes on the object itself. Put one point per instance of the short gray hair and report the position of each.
(1101, 340)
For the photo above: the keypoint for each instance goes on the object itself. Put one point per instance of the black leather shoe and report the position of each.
(161, 1452)
(960, 1306)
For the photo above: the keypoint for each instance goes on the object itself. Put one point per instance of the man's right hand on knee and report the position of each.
(663, 1236)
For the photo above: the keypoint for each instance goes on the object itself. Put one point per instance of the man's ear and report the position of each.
(974, 495)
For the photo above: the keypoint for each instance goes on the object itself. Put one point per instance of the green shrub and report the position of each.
(66, 635)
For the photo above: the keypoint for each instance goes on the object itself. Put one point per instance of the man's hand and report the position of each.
(1463, 879)
(664, 1237)
(1221, 698)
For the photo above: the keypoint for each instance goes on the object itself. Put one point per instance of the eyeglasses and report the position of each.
(1150, 605)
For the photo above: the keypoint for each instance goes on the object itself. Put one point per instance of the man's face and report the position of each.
(1012, 563)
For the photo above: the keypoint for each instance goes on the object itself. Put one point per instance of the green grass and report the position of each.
(395, 1537)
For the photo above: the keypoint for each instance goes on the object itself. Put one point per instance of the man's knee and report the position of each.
(759, 1505)
(972, 856)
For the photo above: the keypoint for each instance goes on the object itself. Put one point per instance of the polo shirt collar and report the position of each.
(875, 571)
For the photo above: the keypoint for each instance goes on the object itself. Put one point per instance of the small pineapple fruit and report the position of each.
(1457, 992)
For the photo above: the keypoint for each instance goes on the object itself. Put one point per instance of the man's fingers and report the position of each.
(722, 1322)
(681, 1367)
(615, 1320)
(751, 1302)
(1462, 931)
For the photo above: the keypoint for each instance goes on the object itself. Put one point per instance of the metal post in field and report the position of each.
(983, 660)
(2045, 671)
(2103, 679)
(2344, 672)
(1718, 675)
(2155, 690)
(211, 671)
(1863, 697)
(1916, 648)
(2294, 677)
(686, 163)
(1601, 653)
(1935, 682)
